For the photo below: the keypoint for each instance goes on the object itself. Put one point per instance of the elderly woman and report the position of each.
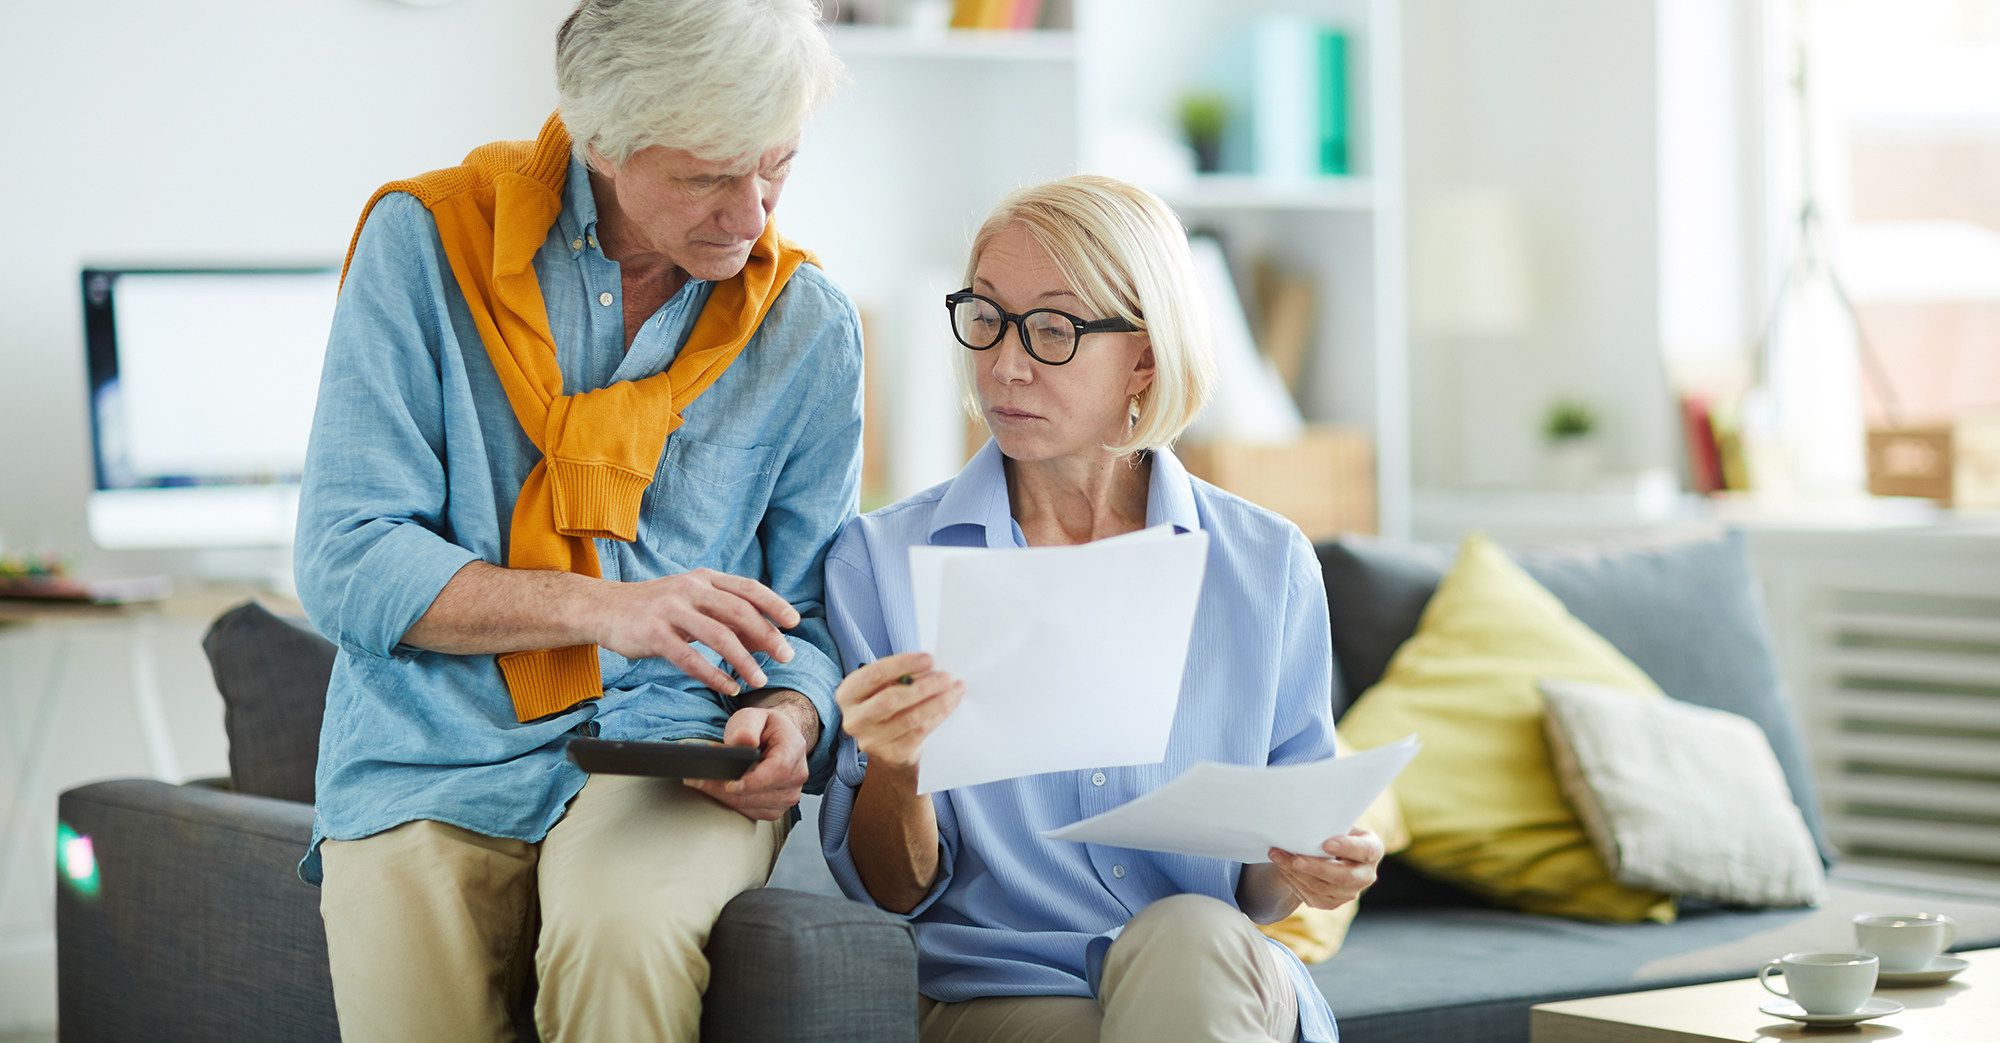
(1088, 357)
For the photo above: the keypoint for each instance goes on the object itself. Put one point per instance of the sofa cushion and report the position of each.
(1376, 591)
(201, 928)
(272, 674)
(802, 967)
(1681, 798)
(1686, 611)
(1481, 799)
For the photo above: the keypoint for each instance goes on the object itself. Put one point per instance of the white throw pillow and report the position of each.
(1680, 798)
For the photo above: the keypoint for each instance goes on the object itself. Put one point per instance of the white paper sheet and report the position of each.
(1236, 812)
(1071, 656)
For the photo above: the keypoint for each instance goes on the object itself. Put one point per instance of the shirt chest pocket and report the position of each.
(706, 502)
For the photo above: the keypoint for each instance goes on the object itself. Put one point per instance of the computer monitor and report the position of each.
(202, 386)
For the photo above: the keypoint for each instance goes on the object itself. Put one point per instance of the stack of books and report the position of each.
(1285, 80)
(996, 14)
(1714, 446)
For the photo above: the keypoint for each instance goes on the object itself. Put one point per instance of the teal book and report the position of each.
(1267, 69)
(1333, 101)
(1285, 80)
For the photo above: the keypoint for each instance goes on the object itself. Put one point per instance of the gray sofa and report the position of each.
(201, 929)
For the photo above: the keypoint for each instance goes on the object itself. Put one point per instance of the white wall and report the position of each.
(1712, 138)
(895, 176)
(227, 131)
(1553, 103)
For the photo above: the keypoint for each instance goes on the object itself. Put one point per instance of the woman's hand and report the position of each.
(891, 705)
(1330, 882)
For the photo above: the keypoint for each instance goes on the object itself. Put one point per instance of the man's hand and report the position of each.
(1330, 882)
(487, 610)
(732, 615)
(771, 786)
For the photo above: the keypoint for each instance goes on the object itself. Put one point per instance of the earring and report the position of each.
(1134, 410)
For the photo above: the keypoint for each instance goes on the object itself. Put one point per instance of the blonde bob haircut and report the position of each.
(717, 78)
(1124, 252)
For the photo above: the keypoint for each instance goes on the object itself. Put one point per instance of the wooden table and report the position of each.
(1965, 1009)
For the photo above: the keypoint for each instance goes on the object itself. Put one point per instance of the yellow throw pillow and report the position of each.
(1484, 808)
(1315, 934)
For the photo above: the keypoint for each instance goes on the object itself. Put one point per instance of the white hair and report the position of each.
(1124, 252)
(718, 78)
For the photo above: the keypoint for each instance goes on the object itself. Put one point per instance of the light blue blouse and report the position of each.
(1012, 913)
(414, 464)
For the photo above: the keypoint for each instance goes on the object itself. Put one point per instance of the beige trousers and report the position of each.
(430, 928)
(1186, 968)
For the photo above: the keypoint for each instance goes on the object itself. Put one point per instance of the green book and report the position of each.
(1333, 97)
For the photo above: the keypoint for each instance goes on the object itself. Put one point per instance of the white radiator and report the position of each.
(1890, 643)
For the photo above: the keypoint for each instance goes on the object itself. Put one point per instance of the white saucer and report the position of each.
(1940, 969)
(1874, 1008)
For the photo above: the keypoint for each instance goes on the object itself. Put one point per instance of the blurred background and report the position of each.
(1470, 252)
(1551, 268)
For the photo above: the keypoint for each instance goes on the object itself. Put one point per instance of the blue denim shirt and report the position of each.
(415, 461)
(1016, 914)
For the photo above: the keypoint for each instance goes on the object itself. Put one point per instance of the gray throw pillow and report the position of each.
(272, 673)
(1680, 798)
(1686, 611)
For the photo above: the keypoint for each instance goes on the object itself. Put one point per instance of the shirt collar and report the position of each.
(978, 496)
(1170, 501)
(578, 219)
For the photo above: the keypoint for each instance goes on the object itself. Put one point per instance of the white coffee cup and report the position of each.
(1824, 982)
(1905, 941)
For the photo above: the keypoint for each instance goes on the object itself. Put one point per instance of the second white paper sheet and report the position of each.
(1238, 812)
(1071, 656)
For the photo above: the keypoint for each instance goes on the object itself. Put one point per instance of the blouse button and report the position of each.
(1118, 871)
(604, 299)
(1097, 779)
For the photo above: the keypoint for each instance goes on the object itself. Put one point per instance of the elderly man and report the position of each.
(586, 428)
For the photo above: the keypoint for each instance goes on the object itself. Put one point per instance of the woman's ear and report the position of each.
(1142, 370)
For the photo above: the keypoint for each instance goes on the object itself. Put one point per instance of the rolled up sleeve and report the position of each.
(371, 554)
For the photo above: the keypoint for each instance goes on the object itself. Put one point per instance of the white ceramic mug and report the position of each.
(1824, 982)
(1905, 941)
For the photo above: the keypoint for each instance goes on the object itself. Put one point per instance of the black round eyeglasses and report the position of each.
(1049, 335)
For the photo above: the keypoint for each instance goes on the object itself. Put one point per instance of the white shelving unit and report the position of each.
(1240, 192)
(882, 41)
(936, 126)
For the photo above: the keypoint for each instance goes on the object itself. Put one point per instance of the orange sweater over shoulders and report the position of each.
(601, 448)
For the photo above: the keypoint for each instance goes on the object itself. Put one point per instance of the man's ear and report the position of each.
(598, 164)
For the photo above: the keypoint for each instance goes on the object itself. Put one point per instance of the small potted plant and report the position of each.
(1203, 114)
(1570, 428)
